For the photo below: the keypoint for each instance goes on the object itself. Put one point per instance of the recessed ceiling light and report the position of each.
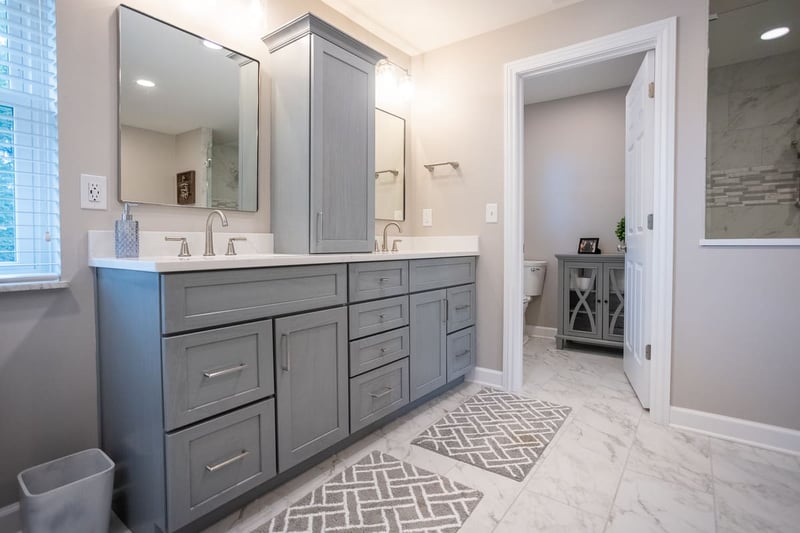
(212, 45)
(145, 83)
(774, 33)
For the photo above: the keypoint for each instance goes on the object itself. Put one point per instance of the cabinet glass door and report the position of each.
(582, 300)
(614, 302)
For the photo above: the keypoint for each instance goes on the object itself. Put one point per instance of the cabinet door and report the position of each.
(342, 150)
(582, 296)
(428, 342)
(310, 383)
(614, 302)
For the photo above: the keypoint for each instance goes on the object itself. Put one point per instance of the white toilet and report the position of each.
(533, 278)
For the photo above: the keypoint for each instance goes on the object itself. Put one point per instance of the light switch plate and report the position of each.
(491, 213)
(427, 217)
(94, 192)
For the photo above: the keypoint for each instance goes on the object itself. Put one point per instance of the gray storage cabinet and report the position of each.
(591, 303)
(323, 139)
(428, 342)
(311, 384)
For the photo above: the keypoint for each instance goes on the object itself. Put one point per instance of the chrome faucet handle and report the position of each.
(231, 247)
(184, 245)
(394, 245)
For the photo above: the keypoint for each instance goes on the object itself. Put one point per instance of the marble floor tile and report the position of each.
(534, 512)
(756, 490)
(675, 456)
(578, 477)
(647, 504)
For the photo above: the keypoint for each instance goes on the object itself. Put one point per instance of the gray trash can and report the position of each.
(67, 495)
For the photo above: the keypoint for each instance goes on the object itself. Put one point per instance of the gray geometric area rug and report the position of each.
(380, 494)
(498, 431)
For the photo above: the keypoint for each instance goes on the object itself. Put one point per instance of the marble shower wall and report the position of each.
(753, 114)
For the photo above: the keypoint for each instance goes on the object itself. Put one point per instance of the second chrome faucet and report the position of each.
(210, 230)
(384, 247)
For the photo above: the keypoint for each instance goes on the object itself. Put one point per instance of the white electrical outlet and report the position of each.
(491, 213)
(94, 192)
(427, 217)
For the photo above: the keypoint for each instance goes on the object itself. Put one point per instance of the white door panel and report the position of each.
(639, 134)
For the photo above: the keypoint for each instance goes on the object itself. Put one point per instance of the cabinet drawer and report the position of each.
(460, 353)
(377, 393)
(381, 279)
(377, 350)
(210, 372)
(201, 299)
(460, 307)
(374, 317)
(425, 274)
(213, 462)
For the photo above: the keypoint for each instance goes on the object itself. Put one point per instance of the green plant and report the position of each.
(620, 231)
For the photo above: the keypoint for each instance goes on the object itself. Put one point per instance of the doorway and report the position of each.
(660, 37)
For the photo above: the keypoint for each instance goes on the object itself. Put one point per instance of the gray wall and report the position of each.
(735, 312)
(574, 182)
(48, 392)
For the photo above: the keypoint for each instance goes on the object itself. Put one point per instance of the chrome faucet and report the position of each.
(384, 247)
(209, 230)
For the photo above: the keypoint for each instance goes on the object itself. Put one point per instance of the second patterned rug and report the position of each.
(498, 431)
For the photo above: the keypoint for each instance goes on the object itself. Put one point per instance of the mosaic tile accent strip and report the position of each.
(498, 431)
(380, 493)
(767, 185)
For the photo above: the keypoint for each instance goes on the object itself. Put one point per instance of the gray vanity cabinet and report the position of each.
(311, 383)
(428, 342)
(323, 139)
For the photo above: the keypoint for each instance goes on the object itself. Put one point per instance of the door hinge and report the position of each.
(647, 350)
(650, 221)
(651, 89)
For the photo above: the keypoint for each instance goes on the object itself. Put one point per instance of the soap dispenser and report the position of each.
(126, 234)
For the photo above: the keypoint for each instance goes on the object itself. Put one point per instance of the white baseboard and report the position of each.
(736, 429)
(9, 518)
(541, 331)
(486, 376)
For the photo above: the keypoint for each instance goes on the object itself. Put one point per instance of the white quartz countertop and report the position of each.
(152, 258)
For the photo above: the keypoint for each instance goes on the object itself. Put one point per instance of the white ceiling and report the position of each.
(587, 79)
(736, 35)
(418, 26)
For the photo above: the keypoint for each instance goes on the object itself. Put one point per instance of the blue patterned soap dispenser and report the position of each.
(126, 234)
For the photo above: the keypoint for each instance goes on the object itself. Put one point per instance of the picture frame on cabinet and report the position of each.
(588, 245)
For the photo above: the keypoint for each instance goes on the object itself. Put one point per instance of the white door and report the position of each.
(639, 117)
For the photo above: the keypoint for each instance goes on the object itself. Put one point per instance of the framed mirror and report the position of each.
(188, 118)
(753, 143)
(390, 166)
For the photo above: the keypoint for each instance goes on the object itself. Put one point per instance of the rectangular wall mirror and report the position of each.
(188, 118)
(753, 145)
(390, 166)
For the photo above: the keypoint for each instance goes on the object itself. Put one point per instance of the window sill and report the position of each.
(33, 286)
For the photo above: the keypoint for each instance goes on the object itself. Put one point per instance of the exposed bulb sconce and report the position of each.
(393, 81)
(431, 166)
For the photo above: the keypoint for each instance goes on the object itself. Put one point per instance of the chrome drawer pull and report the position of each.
(462, 354)
(228, 462)
(461, 307)
(381, 394)
(383, 350)
(225, 371)
(383, 280)
(381, 317)
(285, 366)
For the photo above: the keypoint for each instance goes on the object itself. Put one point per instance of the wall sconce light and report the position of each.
(393, 81)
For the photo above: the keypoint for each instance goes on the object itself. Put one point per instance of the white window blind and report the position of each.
(30, 246)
